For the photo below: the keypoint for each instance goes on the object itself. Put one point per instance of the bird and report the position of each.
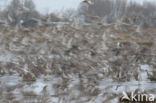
(21, 22)
(10, 19)
(89, 2)
(84, 5)
(22, 6)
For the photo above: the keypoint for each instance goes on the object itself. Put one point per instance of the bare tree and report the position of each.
(18, 11)
(129, 12)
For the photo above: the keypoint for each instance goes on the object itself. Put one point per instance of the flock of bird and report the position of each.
(86, 65)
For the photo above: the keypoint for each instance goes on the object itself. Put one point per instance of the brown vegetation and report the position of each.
(91, 54)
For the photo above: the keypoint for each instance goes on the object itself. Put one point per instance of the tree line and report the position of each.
(107, 10)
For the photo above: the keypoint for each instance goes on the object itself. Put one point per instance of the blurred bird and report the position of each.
(44, 89)
(10, 20)
(22, 6)
(89, 2)
(84, 5)
(21, 23)
(60, 14)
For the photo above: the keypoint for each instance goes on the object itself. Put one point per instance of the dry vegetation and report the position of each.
(93, 63)
(74, 65)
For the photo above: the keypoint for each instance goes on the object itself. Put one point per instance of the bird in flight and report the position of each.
(22, 6)
(84, 5)
(10, 19)
(89, 2)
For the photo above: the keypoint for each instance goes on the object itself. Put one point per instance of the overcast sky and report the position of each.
(45, 6)
(57, 5)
